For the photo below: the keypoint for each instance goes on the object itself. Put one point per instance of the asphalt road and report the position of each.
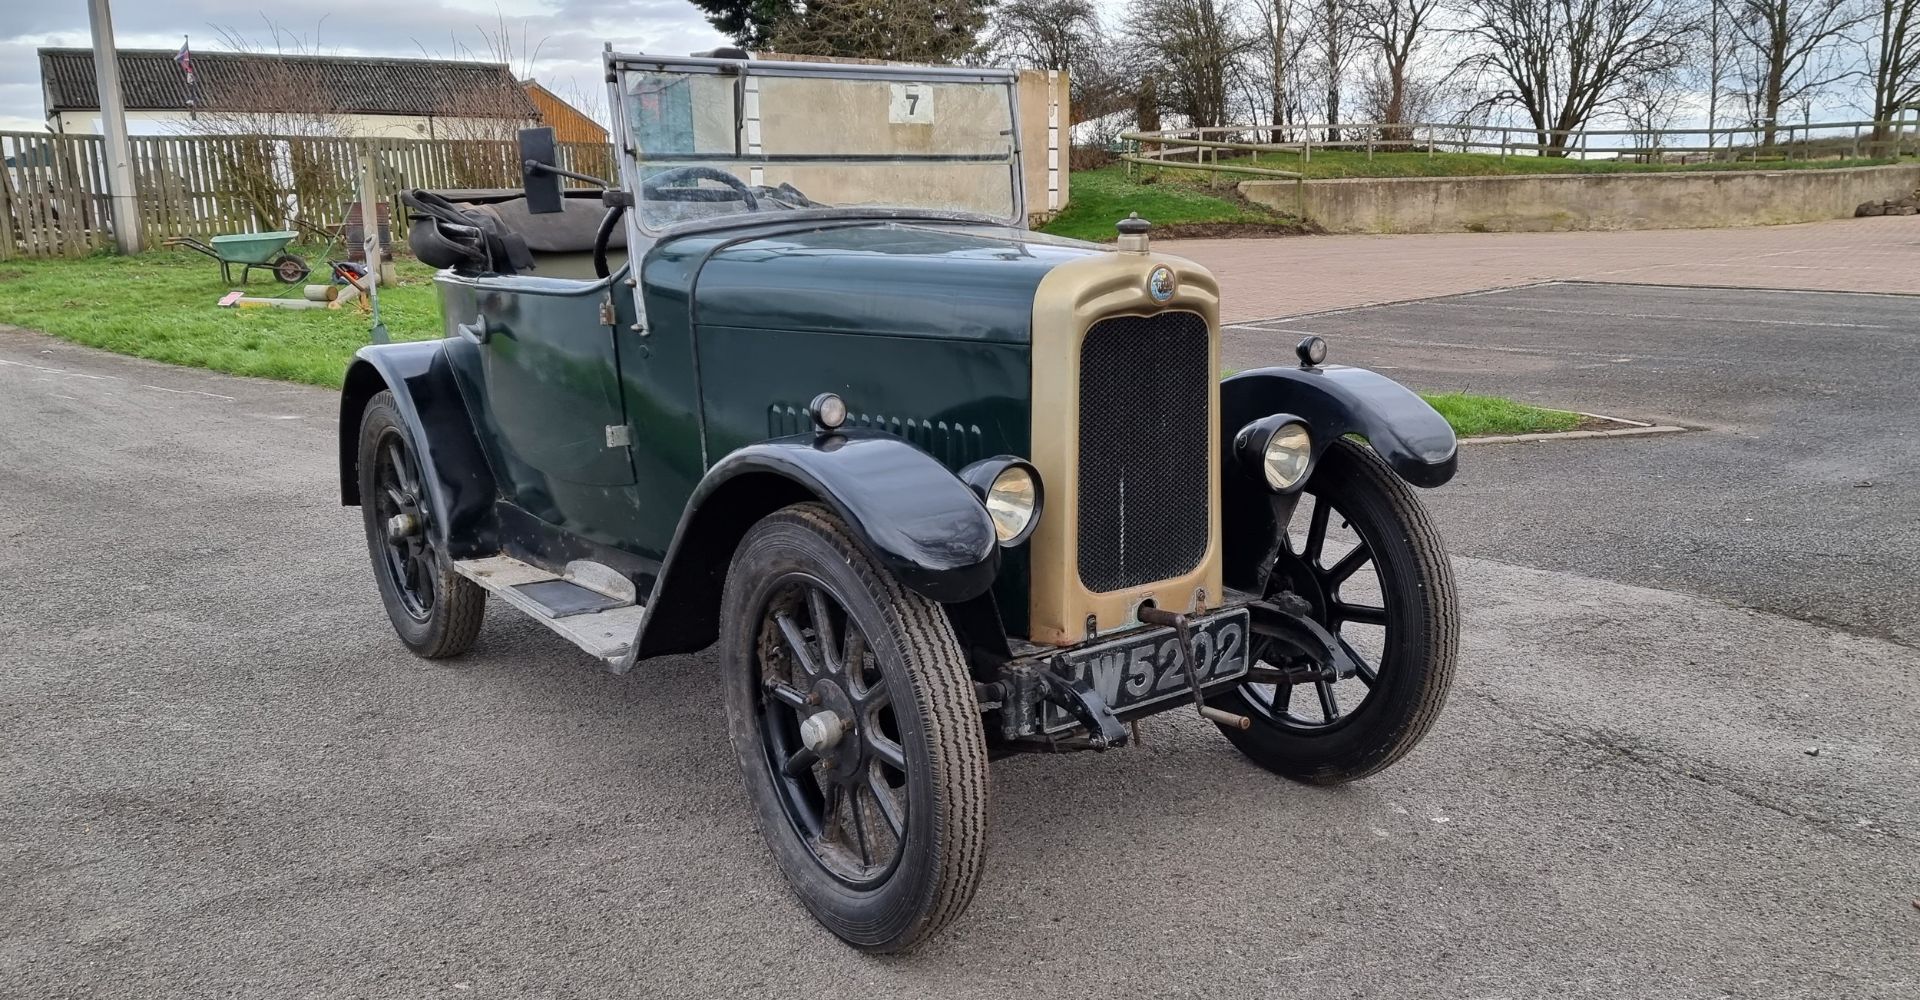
(1799, 496)
(220, 775)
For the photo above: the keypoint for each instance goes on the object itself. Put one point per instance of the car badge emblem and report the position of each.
(1160, 283)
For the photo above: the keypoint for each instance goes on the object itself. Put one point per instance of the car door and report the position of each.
(549, 378)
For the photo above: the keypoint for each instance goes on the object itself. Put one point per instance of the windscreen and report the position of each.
(706, 144)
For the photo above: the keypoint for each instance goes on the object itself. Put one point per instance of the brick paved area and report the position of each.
(1264, 278)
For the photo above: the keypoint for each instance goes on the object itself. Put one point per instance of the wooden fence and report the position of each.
(53, 190)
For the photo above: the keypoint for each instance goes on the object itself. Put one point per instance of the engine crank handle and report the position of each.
(1183, 629)
(1225, 718)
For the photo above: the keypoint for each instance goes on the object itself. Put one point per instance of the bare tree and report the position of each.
(1197, 48)
(1066, 35)
(1103, 82)
(1277, 61)
(1561, 62)
(1333, 42)
(276, 128)
(1652, 104)
(1895, 66)
(1716, 55)
(1395, 30)
(1047, 34)
(1790, 51)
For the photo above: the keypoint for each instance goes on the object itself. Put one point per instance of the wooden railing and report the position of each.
(53, 190)
(1202, 148)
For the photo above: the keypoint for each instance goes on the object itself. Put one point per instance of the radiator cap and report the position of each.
(1133, 233)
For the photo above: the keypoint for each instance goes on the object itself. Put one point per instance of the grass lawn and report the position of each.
(1478, 416)
(160, 305)
(1099, 198)
(1356, 163)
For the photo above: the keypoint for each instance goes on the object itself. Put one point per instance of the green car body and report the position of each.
(872, 450)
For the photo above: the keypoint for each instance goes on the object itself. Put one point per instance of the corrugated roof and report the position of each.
(234, 81)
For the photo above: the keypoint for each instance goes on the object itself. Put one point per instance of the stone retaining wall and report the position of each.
(1552, 202)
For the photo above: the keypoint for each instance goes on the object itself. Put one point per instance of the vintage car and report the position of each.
(800, 385)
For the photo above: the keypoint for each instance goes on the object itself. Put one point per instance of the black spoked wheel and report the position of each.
(859, 736)
(822, 685)
(1366, 560)
(435, 611)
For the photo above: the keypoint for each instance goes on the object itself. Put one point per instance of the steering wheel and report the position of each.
(657, 187)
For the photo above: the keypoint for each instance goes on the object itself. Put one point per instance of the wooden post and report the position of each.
(370, 234)
(6, 205)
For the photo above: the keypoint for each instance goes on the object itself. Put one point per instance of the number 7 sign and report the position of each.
(912, 104)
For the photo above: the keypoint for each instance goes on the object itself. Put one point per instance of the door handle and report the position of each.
(477, 333)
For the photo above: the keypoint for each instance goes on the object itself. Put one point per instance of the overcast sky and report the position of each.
(569, 34)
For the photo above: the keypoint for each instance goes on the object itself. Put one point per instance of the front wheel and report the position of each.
(435, 611)
(859, 736)
(1369, 565)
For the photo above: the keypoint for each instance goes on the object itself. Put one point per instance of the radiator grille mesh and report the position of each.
(1144, 386)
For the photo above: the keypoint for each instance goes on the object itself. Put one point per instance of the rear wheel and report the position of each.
(435, 611)
(1367, 561)
(859, 736)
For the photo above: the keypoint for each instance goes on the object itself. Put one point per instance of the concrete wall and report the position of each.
(1549, 202)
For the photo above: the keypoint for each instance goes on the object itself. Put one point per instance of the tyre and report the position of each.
(1366, 559)
(436, 611)
(290, 269)
(853, 715)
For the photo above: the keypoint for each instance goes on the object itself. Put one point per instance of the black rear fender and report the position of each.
(428, 398)
(1333, 401)
(918, 519)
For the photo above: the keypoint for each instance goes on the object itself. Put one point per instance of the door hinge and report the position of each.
(606, 310)
(617, 436)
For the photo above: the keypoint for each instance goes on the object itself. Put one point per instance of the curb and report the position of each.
(1639, 431)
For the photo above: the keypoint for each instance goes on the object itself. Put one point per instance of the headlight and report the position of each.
(1285, 462)
(1280, 447)
(1010, 490)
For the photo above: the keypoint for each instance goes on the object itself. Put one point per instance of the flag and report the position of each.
(184, 58)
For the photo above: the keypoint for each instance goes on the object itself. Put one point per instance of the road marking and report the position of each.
(110, 378)
(188, 392)
(1636, 315)
(59, 371)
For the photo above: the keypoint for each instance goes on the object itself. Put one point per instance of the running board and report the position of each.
(587, 605)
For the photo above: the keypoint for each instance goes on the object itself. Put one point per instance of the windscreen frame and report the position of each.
(632, 163)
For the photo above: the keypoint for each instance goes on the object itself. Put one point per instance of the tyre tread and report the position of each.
(945, 699)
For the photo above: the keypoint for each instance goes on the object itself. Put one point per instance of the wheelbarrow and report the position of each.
(250, 250)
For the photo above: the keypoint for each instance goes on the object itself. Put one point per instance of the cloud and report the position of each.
(567, 34)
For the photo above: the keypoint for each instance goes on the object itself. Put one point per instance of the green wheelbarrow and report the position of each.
(250, 250)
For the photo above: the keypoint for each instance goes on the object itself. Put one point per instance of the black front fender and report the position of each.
(1335, 401)
(915, 516)
(1416, 442)
(428, 397)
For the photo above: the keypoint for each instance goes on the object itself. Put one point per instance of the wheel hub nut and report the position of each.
(402, 524)
(821, 731)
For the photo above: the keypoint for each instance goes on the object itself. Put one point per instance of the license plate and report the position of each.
(1145, 667)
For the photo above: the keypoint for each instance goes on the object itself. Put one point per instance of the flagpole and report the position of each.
(121, 199)
(193, 85)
